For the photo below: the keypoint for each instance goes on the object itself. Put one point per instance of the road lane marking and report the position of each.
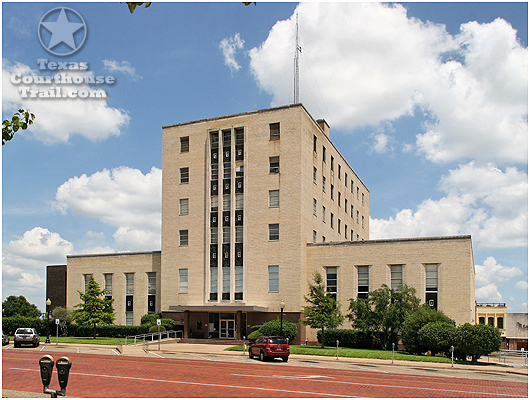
(216, 385)
(381, 385)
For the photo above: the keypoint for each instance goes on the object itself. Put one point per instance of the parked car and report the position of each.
(269, 347)
(26, 336)
(5, 339)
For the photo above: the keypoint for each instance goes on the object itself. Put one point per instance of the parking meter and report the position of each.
(63, 365)
(46, 368)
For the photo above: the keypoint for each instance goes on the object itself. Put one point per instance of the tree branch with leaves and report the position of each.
(22, 119)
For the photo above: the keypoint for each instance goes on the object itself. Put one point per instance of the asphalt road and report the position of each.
(105, 374)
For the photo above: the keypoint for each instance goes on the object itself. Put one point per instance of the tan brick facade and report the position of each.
(252, 204)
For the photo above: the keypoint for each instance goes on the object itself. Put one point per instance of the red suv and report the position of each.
(268, 347)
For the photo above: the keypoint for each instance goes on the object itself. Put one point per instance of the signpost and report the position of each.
(57, 322)
(158, 323)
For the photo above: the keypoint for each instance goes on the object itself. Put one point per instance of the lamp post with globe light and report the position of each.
(282, 306)
(48, 304)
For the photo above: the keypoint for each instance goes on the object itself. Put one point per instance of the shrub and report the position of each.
(154, 328)
(106, 330)
(149, 319)
(347, 338)
(272, 328)
(255, 328)
(417, 320)
(438, 337)
(11, 324)
(477, 340)
(254, 335)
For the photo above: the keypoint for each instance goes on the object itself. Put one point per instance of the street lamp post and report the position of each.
(282, 306)
(48, 304)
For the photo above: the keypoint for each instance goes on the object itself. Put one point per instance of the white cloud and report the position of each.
(483, 201)
(24, 262)
(230, 46)
(491, 275)
(124, 67)
(124, 198)
(370, 63)
(58, 119)
(523, 285)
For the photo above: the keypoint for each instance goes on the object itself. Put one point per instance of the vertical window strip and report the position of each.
(129, 283)
(396, 276)
(274, 278)
(183, 280)
(151, 283)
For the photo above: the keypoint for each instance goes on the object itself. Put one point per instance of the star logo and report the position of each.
(62, 31)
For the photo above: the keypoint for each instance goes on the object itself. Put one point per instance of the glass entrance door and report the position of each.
(228, 329)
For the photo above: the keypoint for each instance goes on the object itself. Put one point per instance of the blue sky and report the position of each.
(427, 101)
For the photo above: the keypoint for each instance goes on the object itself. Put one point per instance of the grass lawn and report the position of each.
(82, 340)
(357, 353)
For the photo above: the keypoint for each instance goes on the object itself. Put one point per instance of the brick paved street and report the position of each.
(175, 374)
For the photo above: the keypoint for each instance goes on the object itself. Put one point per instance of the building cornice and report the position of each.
(391, 241)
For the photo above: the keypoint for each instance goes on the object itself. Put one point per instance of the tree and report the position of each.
(132, 5)
(21, 120)
(384, 312)
(19, 306)
(323, 311)
(94, 309)
(437, 337)
(413, 324)
(477, 340)
(64, 316)
(272, 328)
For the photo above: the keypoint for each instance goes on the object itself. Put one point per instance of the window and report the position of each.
(346, 205)
(183, 280)
(226, 202)
(240, 201)
(500, 322)
(184, 144)
(491, 321)
(332, 192)
(226, 234)
(323, 214)
(274, 232)
(214, 235)
(357, 216)
(184, 175)
(184, 207)
(345, 231)
(151, 283)
(227, 170)
(357, 193)
(315, 207)
(238, 295)
(215, 171)
(215, 203)
(274, 131)
(338, 227)
(323, 239)
(351, 211)
(362, 222)
(239, 234)
(332, 163)
(340, 196)
(346, 179)
(108, 285)
(340, 170)
(129, 283)
(362, 201)
(481, 320)
(363, 281)
(274, 198)
(274, 278)
(87, 277)
(213, 283)
(315, 175)
(331, 281)
(323, 154)
(332, 220)
(323, 183)
(396, 276)
(274, 164)
(226, 284)
(129, 318)
(314, 236)
(314, 143)
(183, 237)
(431, 277)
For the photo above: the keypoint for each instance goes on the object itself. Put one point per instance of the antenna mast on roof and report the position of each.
(297, 50)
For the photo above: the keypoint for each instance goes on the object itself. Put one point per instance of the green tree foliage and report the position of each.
(94, 308)
(437, 337)
(477, 340)
(272, 328)
(22, 119)
(14, 305)
(150, 319)
(132, 5)
(64, 316)
(323, 311)
(384, 312)
(413, 324)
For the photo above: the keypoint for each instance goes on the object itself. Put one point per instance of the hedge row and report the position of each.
(347, 338)
(11, 324)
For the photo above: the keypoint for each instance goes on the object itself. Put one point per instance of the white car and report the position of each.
(26, 336)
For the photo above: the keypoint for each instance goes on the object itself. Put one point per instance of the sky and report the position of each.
(428, 102)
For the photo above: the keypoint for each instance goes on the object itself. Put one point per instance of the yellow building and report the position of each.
(252, 204)
(493, 314)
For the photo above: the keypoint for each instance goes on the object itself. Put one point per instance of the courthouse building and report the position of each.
(252, 205)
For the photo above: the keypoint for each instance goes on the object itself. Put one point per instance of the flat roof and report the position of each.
(390, 241)
(124, 253)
